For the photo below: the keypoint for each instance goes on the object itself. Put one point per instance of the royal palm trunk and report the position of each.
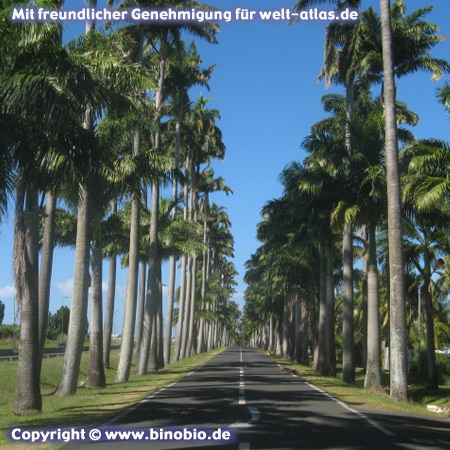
(78, 308)
(45, 273)
(96, 369)
(26, 237)
(398, 340)
(372, 381)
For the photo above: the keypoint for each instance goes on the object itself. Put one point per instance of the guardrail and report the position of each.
(11, 355)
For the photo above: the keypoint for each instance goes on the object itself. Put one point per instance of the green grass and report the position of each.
(7, 343)
(357, 397)
(88, 406)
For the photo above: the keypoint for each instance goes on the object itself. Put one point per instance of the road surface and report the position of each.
(248, 394)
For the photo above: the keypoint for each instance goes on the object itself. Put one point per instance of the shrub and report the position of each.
(442, 367)
(7, 331)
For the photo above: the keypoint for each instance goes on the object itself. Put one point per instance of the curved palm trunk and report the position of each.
(398, 340)
(45, 274)
(96, 369)
(372, 381)
(78, 310)
(26, 237)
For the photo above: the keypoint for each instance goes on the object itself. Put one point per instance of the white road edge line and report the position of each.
(359, 414)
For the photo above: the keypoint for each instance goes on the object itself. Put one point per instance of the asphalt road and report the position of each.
(247, 394)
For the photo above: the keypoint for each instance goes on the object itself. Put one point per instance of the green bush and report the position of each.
(442, 367)
(7, 331)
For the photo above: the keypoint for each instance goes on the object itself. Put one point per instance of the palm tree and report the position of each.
(126, 348)
(444, 96)
(182, 75)
(412, 52)
(427, 191)
(396, 28)
(111, 69)
(166, 38)
(207, 185)
(398, 344)
(47, 83)
(423, 251)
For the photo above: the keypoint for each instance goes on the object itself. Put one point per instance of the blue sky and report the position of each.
(265, 87)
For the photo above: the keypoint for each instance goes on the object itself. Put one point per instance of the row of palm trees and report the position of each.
(96, 125)
(351, 181)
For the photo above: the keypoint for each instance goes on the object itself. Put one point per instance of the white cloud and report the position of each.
(66, 287)
(7, 292)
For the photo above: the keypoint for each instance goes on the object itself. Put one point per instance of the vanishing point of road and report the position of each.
(245, 392)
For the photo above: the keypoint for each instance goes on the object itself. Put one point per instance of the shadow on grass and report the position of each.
(425, 396)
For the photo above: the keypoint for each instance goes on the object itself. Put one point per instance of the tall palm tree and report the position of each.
(397, 343)
(426, 189)
(116, 76)
(182, 75)
(403, 52)
(342, 57)
(164, 38)
(126, 348)
(50, 82)
(411, 52)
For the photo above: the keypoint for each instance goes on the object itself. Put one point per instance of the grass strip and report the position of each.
(88, 406)
(355, 395)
